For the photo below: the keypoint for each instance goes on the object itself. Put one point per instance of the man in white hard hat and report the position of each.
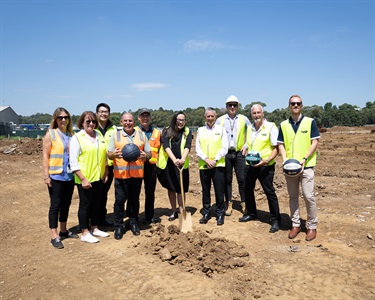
(235, 125)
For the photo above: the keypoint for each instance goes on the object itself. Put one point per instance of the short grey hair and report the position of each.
(257, 105)
(210, 109)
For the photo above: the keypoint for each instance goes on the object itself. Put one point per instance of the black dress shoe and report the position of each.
(274, 227)
(205, 219)
(153, 220)
(119, 233)
(135, 229)
(247, 218)
(220, 220)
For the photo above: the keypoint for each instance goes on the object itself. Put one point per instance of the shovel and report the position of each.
(184, 218)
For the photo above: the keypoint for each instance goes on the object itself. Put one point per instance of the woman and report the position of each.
(88, 160)
(57, 174)
(175, 146)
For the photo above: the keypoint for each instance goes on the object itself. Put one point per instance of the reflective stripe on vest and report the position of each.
(163, 156)
(92, 159)
(56, 157)
(123, 169)
(211, 143)
(262, 142)
(154, 143)
(298, 144)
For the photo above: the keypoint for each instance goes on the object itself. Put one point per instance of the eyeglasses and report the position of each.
(295, 103)
(60, 118)
(232, 105)
(181, 120)
(104, 112)
(88, 122)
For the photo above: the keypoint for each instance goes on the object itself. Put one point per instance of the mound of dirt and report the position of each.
(197, 251)
(24, 145)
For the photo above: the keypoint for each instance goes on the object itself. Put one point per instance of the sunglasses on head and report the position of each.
(232, 105)
(60, 118)
(295, 103)
(90, 121)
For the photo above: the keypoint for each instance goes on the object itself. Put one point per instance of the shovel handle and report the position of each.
(180, 170)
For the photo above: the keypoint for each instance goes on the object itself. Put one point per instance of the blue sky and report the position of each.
(180, 54)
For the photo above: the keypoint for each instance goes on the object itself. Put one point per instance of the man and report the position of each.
(211, 148)
(106, 129)
(298, 138)
(128, 175)
(261, 139)
(235, 126)
(153, 136)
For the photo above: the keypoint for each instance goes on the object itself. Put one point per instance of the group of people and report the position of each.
(92, 159)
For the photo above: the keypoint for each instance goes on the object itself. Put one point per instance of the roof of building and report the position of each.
(3, 107)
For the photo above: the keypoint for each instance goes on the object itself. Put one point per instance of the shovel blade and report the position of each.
(186, 224)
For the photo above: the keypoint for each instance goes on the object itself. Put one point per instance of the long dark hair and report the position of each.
(172, 131)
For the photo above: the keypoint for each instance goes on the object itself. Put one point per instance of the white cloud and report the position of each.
(49, 60)
(202, 45)
(148, 86)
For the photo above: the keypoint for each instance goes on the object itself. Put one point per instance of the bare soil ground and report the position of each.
(233, 261)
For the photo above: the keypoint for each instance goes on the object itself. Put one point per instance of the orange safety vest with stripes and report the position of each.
(56, 157)
(123, 169)
(154, 142)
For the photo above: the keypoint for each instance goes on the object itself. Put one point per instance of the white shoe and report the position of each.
(98, 232)
(88, 238)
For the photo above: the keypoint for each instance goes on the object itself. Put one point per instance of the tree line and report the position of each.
(327, 116)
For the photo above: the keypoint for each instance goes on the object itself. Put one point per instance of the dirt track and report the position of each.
(234, 261)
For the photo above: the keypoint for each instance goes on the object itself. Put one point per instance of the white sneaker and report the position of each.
(98, 232)
(88, 238)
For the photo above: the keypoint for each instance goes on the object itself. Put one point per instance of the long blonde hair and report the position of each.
(56, 113)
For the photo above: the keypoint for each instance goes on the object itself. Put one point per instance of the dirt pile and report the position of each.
(197, 251)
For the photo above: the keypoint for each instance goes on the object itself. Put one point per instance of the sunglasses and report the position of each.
(88, 122)
(295, 103)
(60, 118)
(232, 105)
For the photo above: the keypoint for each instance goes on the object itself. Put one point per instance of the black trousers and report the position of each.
(104, 196)
(89, 204)
(127, 190)
(235, 160)
(60, 199)
(217, 176)
(150, 185)
(265, 176)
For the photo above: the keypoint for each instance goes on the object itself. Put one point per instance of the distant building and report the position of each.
(8, 115)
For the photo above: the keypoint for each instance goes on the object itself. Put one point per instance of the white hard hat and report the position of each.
(232, 99)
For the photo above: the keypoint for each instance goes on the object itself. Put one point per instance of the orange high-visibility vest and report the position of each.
(56, 157)
(123, 169)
